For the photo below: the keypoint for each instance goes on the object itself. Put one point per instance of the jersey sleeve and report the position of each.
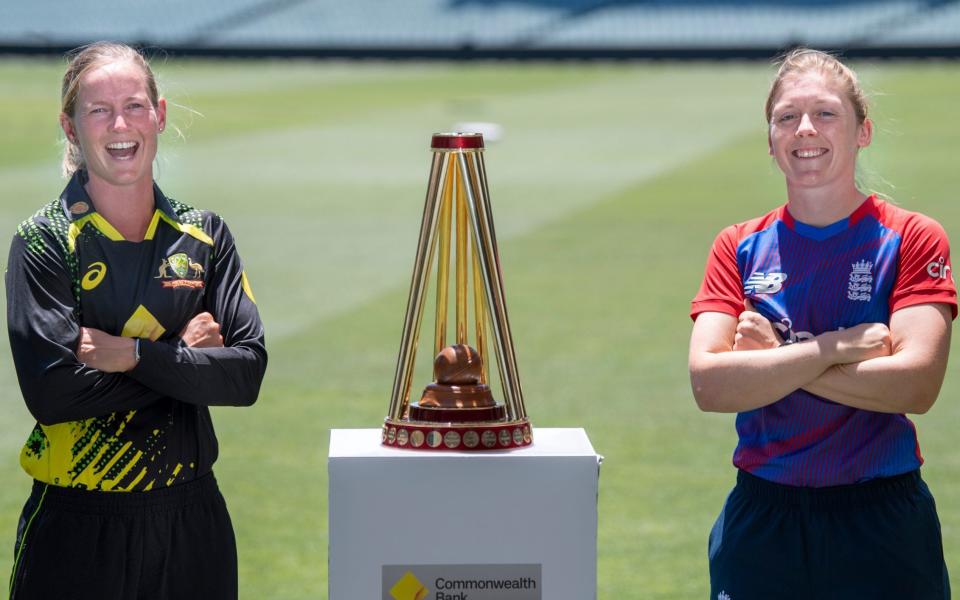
(228, 376)
(722, 288)
(924, 274)
(44, 332)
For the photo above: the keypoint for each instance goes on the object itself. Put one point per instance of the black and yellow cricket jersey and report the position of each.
(149, 427)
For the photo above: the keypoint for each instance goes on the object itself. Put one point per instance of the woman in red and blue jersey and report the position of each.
(822, 324)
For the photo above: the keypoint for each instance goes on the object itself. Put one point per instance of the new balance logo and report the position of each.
(723, 596)
(760, 283)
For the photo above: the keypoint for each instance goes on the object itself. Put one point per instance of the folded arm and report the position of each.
(44, 334)
(725, 380)
(199, 371)
(907, 381)
(68, 372)
(214, 376)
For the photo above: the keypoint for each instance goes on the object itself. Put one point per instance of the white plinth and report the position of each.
(535, 505)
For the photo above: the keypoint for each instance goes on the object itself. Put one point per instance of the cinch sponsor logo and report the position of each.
(789, 336)
(764, 283)
(939, 269)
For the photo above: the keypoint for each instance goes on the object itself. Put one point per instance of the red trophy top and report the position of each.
(457, 141)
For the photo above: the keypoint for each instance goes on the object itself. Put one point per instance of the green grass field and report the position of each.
(608, 186)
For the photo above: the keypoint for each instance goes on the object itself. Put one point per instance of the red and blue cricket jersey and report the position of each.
(809, 280)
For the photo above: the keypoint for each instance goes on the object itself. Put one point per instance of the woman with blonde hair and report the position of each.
(821, 324)
(129, 315)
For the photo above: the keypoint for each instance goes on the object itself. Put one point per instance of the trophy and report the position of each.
(457, 411)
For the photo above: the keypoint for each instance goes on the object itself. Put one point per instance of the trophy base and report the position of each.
(463, 437)
(431, 414)
(457, 396)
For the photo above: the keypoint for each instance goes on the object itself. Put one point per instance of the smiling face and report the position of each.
(115, 124)
(815, 133)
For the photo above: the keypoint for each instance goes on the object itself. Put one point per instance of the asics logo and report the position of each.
(93, 276)
(764, 283)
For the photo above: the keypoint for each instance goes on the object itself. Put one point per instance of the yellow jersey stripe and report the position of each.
(152, 228)
(191, 230)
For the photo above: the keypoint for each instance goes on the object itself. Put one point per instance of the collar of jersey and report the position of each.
(867, 207)
(75, 193)
(79, 210)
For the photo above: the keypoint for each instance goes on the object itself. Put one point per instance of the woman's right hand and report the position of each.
(856, 344)
(202, 332)
(754, 331)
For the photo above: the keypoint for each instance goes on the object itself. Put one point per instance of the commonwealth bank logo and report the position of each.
(408, 587)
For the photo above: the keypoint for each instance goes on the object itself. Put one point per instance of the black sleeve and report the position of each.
(44, 333)
(228, 376)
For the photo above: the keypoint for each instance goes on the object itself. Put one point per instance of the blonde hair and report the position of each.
(82, 60)
(804, 60)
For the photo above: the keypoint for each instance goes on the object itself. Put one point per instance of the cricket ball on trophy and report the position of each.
(457, 394)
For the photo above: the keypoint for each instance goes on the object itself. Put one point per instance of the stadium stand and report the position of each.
(417, 28)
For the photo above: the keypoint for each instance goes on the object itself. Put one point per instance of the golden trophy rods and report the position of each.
(479, 310)
(482, 171)
(452, 196)
(493, 282)
(443, 267)
(421, 270)
(461, 265)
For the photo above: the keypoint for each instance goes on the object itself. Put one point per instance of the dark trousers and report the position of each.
(170, 543)
(876, 540)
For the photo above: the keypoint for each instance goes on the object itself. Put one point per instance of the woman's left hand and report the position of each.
(202, 332)
(104, 352)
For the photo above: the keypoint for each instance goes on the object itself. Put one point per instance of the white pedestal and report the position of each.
(517, 512)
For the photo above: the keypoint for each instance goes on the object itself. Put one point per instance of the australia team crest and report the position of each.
(179, 270)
